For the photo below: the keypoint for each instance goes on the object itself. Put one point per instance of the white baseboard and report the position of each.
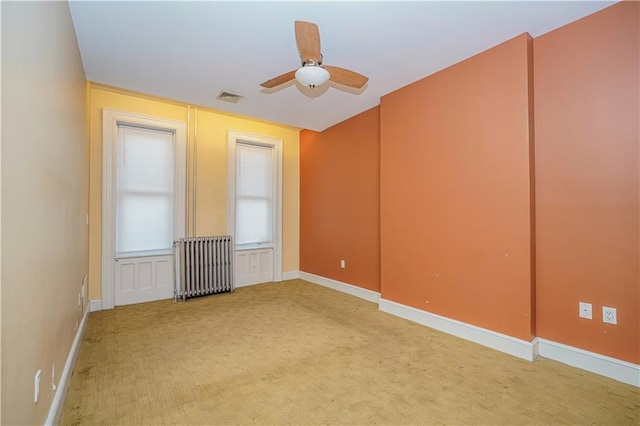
(291, 275)
(95, 305)
(363, 293)
(240, 284)
(501, 342)
(613, 368)
(55, 411)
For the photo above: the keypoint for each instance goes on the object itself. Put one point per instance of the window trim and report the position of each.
(111, 119)
(233, 137)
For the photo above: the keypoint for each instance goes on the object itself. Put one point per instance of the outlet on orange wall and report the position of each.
(340, 201)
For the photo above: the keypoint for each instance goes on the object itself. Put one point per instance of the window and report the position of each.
(254, 213)
(145, 190)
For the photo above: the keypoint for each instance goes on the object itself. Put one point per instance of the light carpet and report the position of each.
(298, 353)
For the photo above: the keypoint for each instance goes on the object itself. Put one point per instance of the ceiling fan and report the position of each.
(312, 73)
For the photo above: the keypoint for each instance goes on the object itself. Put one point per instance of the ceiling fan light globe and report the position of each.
(312, 76)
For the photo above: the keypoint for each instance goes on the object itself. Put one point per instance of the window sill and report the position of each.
(146, 253)
(253, 247)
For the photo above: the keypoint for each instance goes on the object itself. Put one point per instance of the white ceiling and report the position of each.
(190, 51)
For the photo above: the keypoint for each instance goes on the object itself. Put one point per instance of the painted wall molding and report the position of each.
(55, 411)
(291, 275)
(603, 365)
(363, 293)
(501, 342)
(95, 305)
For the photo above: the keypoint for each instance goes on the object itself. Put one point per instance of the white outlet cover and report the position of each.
(53, 377)
(609, 315)
(36, 386)
(584, 310)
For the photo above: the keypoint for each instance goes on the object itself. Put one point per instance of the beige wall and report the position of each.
(211, 181)
(44, 200)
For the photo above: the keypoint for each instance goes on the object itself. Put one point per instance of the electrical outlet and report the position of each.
(585, 310)
(53, 377)
(36, 386)
(609, 315)
(343, 264)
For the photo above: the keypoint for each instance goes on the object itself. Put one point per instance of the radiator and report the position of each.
(203, 266)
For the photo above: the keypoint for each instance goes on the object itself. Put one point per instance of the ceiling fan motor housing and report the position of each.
(312, 75)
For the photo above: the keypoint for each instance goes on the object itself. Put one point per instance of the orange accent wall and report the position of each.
(456, 193)
(588, 180)
(340, 201)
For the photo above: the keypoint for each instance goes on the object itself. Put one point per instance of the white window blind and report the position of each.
(254, 194)
(145, 187)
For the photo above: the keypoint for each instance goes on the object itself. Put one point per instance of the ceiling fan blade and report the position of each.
(346, 77)
(281, 79)
(308, 40)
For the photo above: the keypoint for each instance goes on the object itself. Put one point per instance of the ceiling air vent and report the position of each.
(229, 97)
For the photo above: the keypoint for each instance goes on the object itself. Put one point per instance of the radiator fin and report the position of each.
(203, 266)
